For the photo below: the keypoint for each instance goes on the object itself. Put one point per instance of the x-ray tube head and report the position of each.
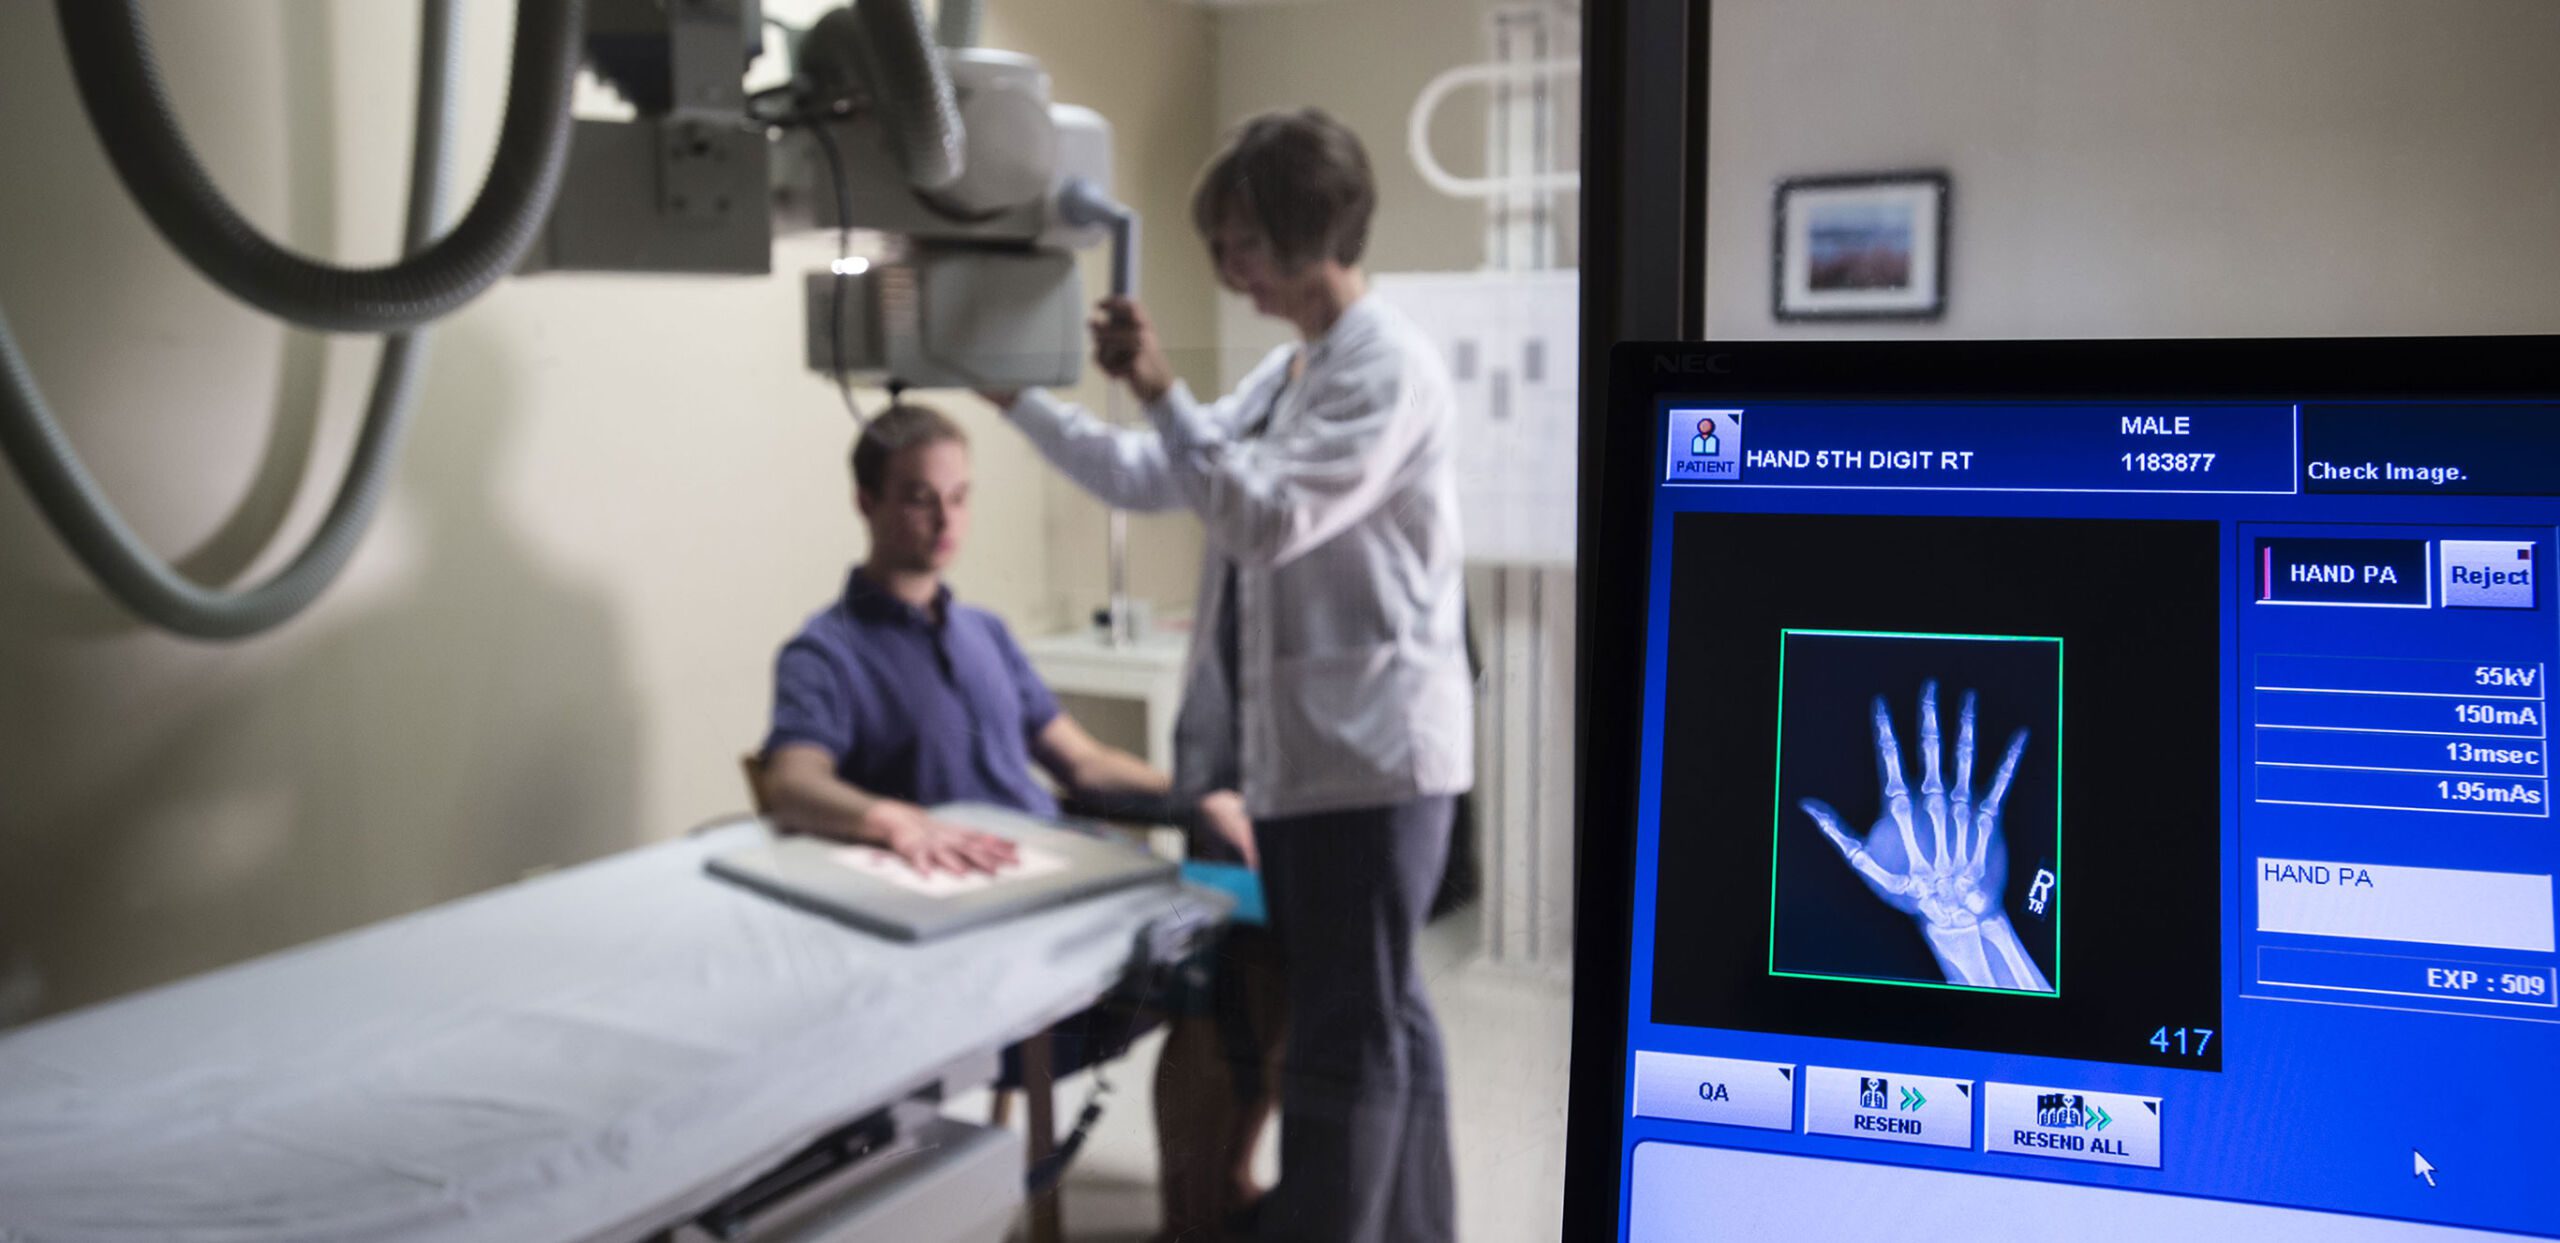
(952, 318)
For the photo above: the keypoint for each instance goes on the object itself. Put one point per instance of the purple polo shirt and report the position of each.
(912, 710)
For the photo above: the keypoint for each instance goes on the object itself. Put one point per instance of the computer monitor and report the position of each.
(2071, 790)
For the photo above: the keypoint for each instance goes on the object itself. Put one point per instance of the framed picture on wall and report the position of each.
(1871, 246)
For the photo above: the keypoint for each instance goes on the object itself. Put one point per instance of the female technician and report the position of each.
(1328, 674)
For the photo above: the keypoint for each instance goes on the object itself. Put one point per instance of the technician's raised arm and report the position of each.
(1123, 466)
(1363, 428)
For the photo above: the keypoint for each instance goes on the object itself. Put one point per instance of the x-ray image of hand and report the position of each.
(1952, 881)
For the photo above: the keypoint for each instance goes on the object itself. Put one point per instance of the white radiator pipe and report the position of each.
(1418, 129)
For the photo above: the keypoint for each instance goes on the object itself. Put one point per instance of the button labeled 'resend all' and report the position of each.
(2111, 1128)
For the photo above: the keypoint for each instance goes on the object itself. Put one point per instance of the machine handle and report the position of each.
(1084, 205)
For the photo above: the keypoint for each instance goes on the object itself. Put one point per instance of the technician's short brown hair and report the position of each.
(1299, 175)
(894, 431)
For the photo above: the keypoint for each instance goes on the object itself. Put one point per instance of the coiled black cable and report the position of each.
(87, 521)
(127, 103)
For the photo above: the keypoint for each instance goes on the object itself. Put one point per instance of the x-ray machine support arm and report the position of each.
(1081, 202)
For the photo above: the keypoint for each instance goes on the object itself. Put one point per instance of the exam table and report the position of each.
(613, 1051)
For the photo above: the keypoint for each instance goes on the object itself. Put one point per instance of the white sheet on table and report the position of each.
(579, 1056)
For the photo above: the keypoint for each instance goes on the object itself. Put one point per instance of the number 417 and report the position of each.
(2183, 1041)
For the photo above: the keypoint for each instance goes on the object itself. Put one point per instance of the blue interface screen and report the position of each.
(2145, 796)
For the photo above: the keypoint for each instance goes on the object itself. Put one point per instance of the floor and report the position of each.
(1507, 1033)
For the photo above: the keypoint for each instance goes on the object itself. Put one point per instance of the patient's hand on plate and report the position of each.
(1222, 813)
(929, 845)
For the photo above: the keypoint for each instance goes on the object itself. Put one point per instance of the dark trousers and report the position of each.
(1364, 1092)
(1217, 1085)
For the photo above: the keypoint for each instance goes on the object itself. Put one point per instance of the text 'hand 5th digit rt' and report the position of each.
(1952, 881)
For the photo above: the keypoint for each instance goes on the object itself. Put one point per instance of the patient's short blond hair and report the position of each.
(894, 431)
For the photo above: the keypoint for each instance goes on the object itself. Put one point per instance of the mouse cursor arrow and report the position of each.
(2421, 1167)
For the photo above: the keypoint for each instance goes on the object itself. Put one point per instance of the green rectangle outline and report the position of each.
(1777, 817)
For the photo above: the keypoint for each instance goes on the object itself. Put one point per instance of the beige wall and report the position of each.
(1365, 61)
(621, 494)
(2164, 168)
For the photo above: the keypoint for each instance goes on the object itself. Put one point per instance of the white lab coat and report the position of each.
(1341, 519)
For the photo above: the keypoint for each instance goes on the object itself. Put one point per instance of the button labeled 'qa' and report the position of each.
(1721, 1090)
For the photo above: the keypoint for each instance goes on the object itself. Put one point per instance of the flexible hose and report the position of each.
(956, 22)
(121, 89)
(913, 92)
(98, 536)
(881, 46)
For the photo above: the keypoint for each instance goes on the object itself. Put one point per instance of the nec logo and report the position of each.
(1693, 364)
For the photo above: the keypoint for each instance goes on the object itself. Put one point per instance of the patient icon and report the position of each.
(1705, 443)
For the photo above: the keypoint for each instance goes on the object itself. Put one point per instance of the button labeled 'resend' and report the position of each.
(1901, 1109)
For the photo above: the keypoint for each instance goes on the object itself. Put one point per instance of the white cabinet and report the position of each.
(1147, 672)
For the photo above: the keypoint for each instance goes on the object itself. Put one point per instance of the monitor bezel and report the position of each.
(1609, 699)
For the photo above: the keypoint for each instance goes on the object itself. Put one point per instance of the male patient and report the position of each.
(897, 697)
